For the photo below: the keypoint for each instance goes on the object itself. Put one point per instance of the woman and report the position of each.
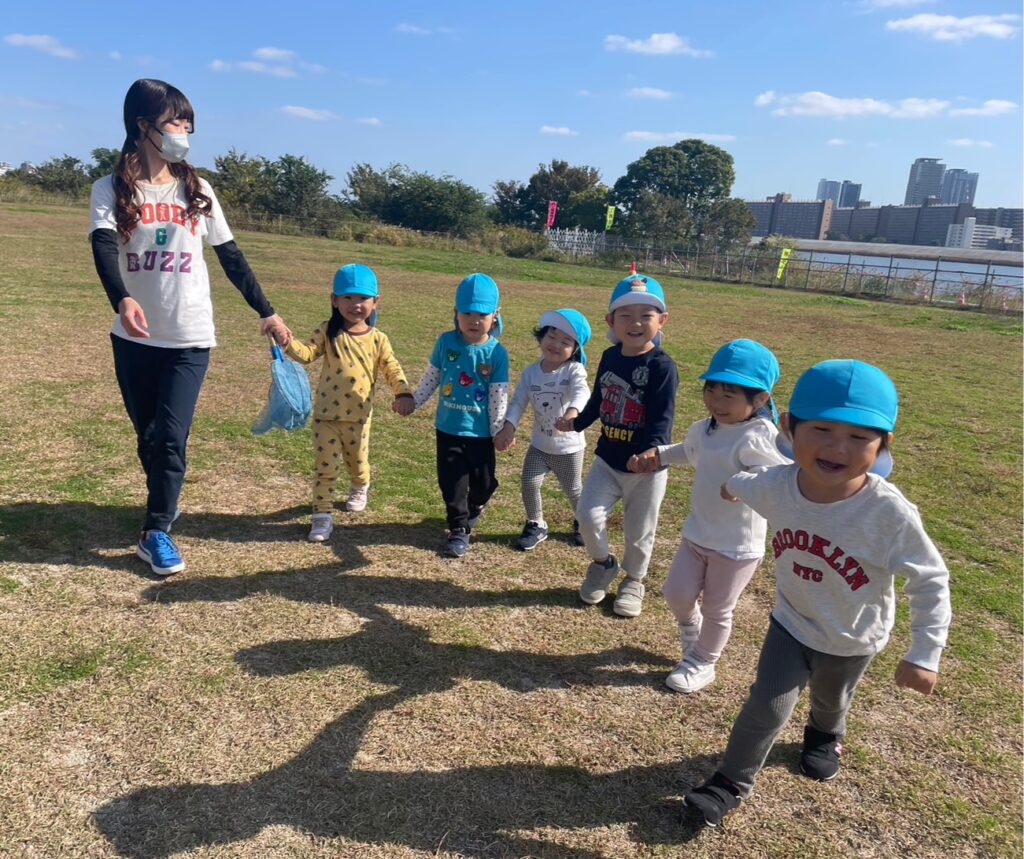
(149, 219)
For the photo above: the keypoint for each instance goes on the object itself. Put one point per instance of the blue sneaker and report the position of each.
(157, 549)
(457, 543)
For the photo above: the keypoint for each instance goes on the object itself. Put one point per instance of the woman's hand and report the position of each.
(275, 327)
(133, 320)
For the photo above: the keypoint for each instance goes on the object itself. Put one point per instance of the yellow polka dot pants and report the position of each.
(335, 442)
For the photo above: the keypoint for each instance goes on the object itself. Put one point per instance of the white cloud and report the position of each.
(585, 93)
(308, 113)
(816, 103)
(274, 54)
(369, 120)
(992, 107)
(967, 141)
(649, 92)
(47, 44)
(892, 4)
(675, 136)
(417, 30)
(277, 62)
(117, 56)
(837, 141)
(949, 28)
(657, 43)
(558, 130)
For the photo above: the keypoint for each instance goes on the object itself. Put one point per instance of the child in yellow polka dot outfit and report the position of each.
(353, 351)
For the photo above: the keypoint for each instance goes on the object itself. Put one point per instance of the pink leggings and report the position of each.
(694, 570)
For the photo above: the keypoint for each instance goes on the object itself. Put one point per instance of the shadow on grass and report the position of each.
(479, 811)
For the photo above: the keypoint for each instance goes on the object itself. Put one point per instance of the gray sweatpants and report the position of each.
(641, 496)
(785, 667)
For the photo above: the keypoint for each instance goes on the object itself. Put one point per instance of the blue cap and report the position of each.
(355, 279)
(746, 363)
(570, 322)
(849, 392)
(638, 289)
(478, 293)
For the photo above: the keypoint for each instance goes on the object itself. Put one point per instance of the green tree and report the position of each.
(728, 222)
(510, 203)
(658, 217)
(586, 209)
(244, 183)
(440, 204)
(300, 189)
(104, 162)
(64, 175)
(558, 181)
(369, 191)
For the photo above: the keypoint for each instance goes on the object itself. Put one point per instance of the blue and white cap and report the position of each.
(638, 289)
(745, 363)
(570, 322)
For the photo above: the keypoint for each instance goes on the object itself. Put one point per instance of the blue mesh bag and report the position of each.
(289, 400)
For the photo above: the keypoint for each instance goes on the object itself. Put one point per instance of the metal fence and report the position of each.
(988, 287)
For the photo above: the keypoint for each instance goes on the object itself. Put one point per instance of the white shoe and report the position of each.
(321, 527)
(690, 676)
(357, 499)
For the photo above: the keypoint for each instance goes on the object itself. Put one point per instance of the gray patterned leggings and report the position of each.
(568, 468)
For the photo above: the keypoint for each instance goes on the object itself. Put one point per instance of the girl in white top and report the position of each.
(557, 387)
(723, 543)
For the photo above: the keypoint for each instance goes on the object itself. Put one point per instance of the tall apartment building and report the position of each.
(959, 186)
(925, 181)
(971, 234)
(849, 194)
(783, 216)
(829, 189)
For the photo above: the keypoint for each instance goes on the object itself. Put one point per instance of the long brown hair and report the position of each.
(150, 99)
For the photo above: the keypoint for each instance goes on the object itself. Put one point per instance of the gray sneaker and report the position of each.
(629, 600)
(599, 577)
(320, 528)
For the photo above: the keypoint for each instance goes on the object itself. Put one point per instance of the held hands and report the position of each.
(505, 438)
(726, 496)
(275, 327)
(564, 423)
(915, 677)
(133, 320)
(646, 462)
(403, 405)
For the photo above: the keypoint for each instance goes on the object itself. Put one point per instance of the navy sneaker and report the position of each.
(819, 758)
(157, 549)
(457, 543)
(533, 535)
(577, 537)
(714, 799)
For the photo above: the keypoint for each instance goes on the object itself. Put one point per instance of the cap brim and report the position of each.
(637, 298)
(883, 463)
(731, 378)
(847, 415)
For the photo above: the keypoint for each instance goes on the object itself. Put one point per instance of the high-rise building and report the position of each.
(971, 234)
(925, 181)
(849, 194)
(828, 189)
(959, 186)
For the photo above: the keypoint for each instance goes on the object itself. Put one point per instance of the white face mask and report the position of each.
(174, 148)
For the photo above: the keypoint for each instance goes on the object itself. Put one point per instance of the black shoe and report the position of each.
(457, 543)
(533, 535)
(714, 799)
(819, 758)
(577, 537)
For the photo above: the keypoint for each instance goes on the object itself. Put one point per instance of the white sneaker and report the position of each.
(357, 499)
(690, 676)
(322, 526)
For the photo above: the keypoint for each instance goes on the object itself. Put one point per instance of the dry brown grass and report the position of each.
(368, 698)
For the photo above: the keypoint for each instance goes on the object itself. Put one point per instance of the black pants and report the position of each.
(160, 388)
(465, 474)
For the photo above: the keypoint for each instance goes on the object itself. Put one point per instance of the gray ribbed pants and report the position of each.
(785, 667)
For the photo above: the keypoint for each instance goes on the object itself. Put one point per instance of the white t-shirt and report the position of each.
(162, 263)
(551, 394)
(730, 528)
(835, 566)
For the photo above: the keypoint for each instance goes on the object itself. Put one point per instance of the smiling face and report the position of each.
(556, 347)
(635, 326)
(475, 328)
(355, 309)
(729, 404)
(834, 458)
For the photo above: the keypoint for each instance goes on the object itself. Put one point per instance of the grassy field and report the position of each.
(369, 698)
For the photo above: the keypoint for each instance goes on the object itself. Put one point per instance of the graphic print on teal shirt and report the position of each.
(466, 372)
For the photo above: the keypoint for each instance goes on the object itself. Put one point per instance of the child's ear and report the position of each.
(761, 400)
(610, 318)
(888, 439)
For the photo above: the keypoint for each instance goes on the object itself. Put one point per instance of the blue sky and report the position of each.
(796, 91)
